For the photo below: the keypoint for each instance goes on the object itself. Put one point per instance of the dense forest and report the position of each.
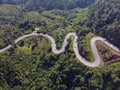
(105, 18)
(39, 5)
(31, 64)
(15, 2)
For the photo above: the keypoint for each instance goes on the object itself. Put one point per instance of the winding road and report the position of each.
(97, 58)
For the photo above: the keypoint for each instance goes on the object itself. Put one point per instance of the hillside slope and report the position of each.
(42, 5)
(104, 20)
(56, 4)
(31, 65)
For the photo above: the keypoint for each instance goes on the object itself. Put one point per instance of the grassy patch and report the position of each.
(71, 42)
(25, 49)
(86, 46)
(1, 88)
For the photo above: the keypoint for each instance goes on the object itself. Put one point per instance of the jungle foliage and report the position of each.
(31, 65)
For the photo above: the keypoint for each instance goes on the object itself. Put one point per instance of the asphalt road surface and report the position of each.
(97, 58)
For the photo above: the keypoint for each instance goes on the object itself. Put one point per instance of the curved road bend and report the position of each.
(97, 58)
